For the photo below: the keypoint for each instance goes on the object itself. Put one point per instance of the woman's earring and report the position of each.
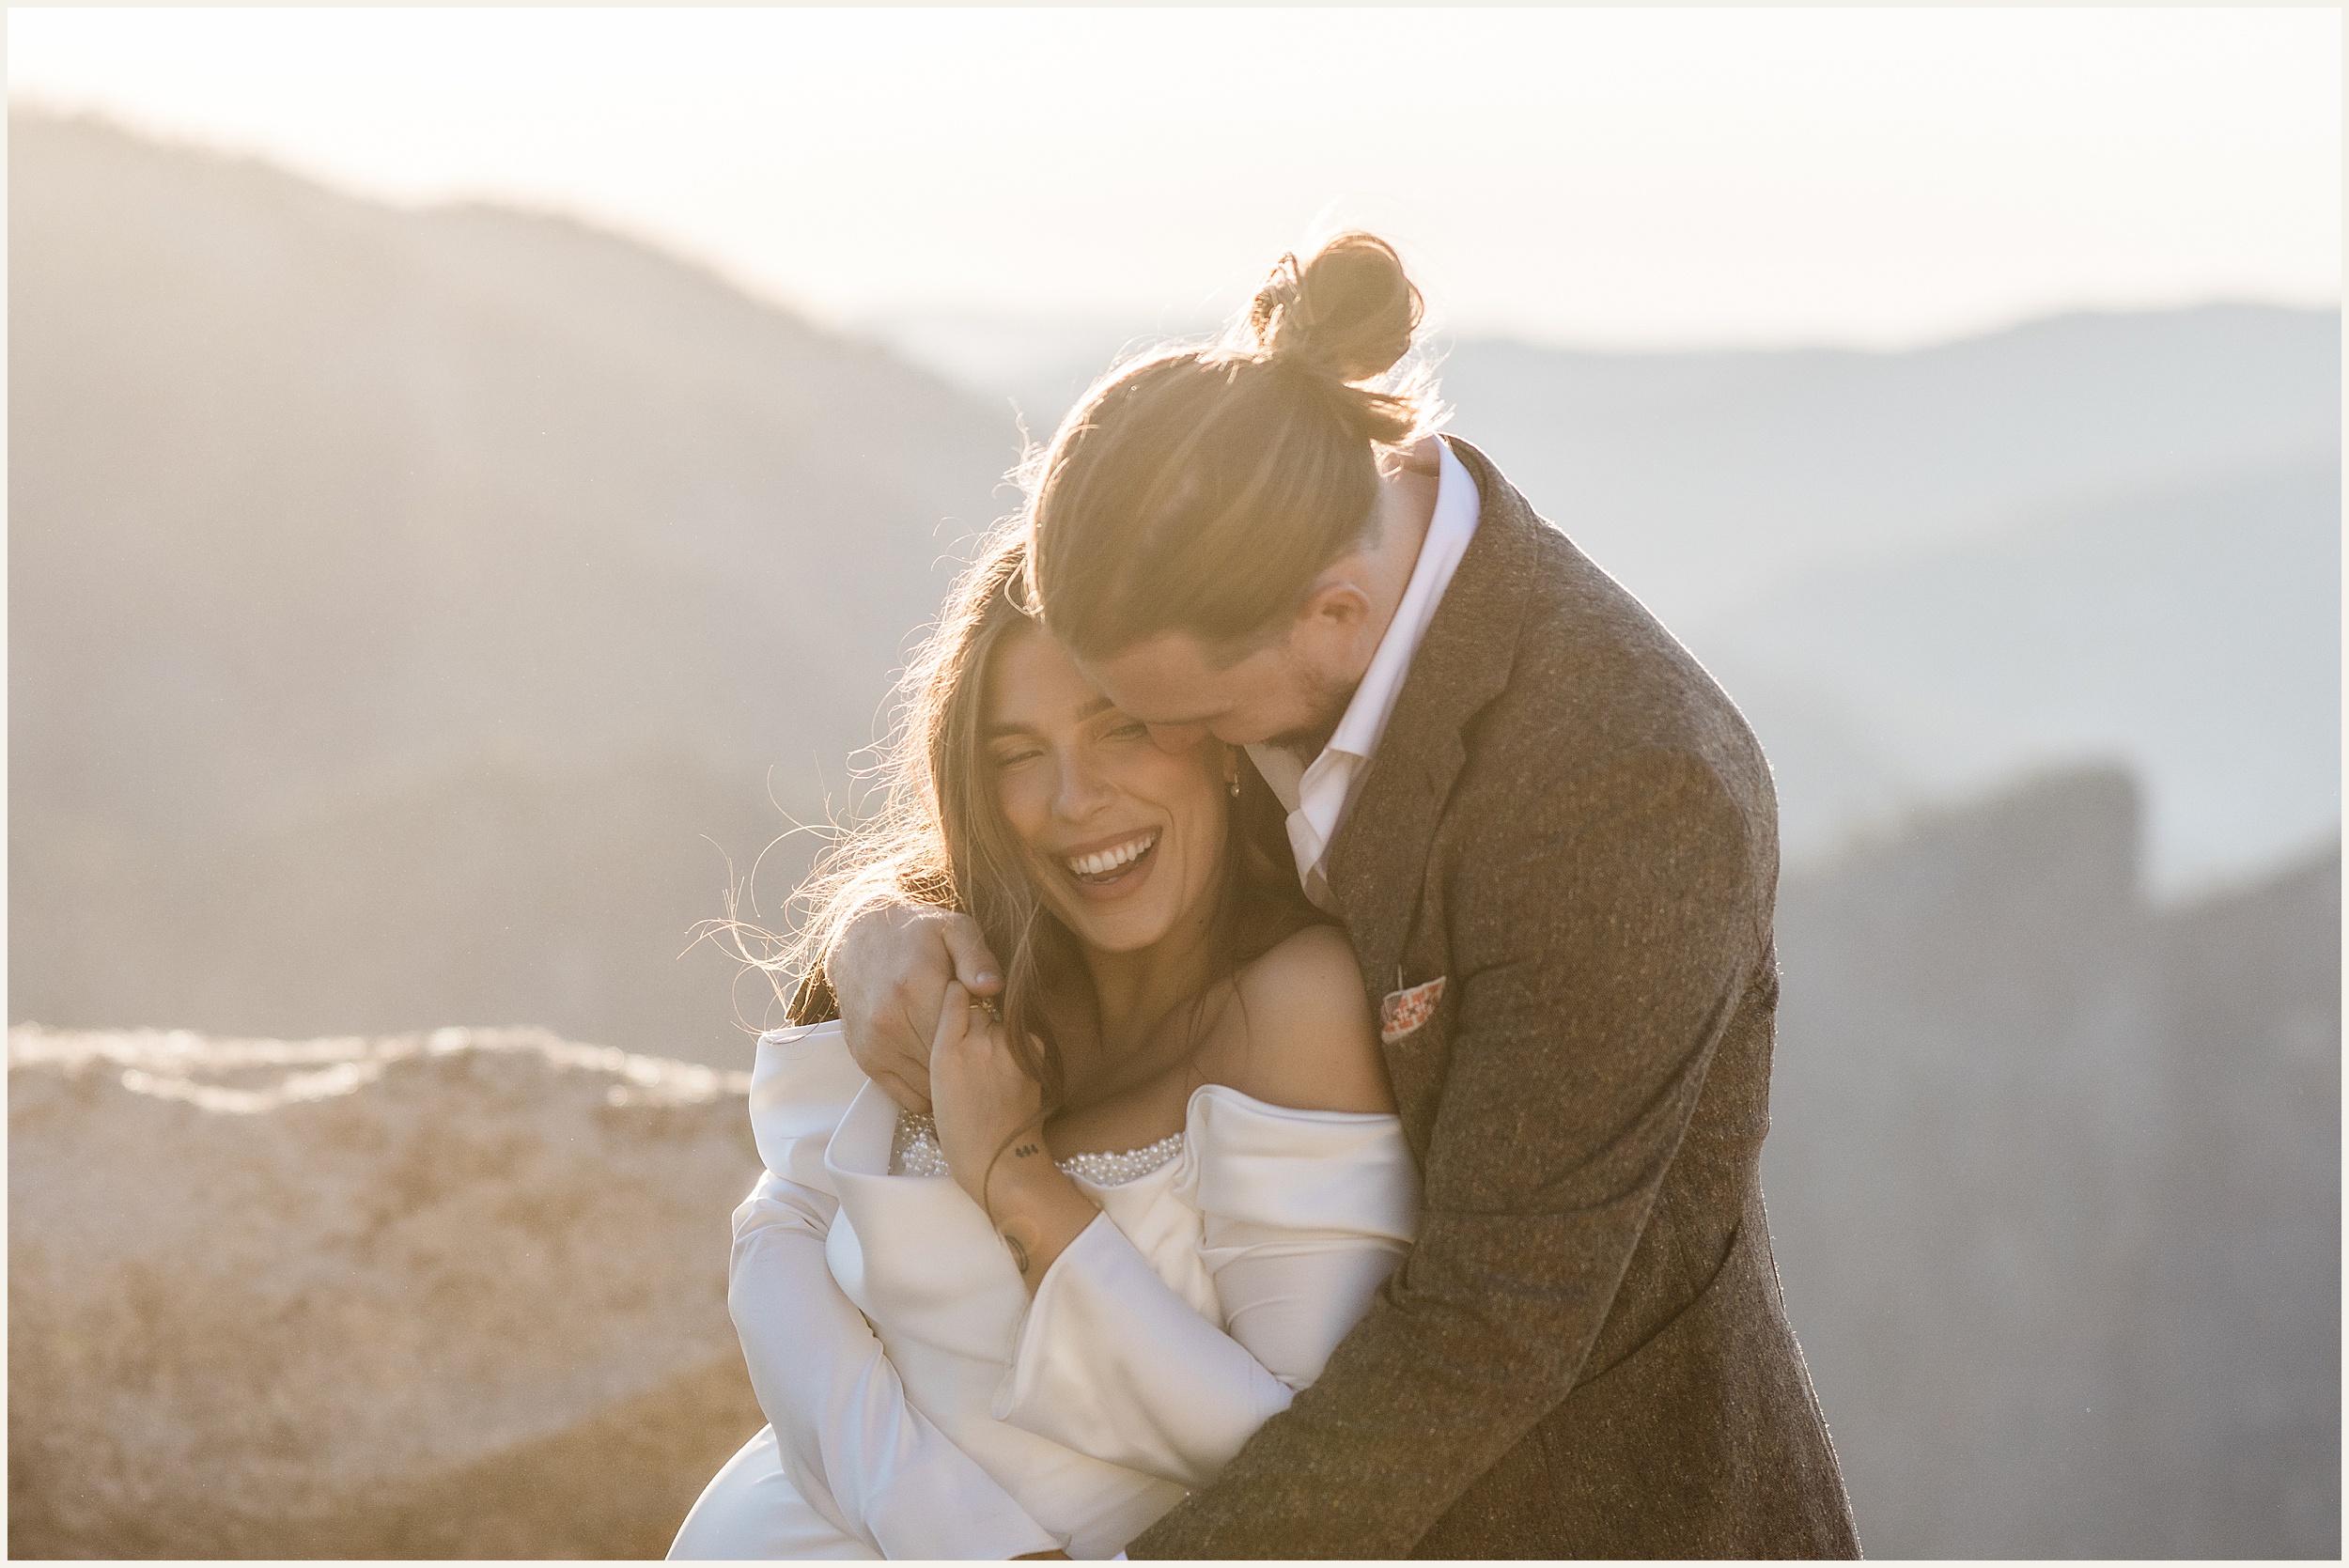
(1234, 781)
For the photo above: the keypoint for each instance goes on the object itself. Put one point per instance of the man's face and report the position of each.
(1272, 695)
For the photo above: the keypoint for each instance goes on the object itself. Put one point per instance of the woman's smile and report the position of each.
(1114, 870)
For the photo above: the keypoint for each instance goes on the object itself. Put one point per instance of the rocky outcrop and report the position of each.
(2054, 1178)
(448, 1294)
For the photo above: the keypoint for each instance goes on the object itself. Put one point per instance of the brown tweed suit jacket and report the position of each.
(1586, 1354)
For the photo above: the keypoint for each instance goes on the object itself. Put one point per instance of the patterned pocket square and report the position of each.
(1402, 1011)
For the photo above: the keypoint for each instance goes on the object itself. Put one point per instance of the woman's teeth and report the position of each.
(1102, 863)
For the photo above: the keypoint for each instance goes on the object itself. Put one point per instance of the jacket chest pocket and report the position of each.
(1408, 1011)
(1414, 1001)
(1423, 999)
(1415, 1037)
(1417, 1011)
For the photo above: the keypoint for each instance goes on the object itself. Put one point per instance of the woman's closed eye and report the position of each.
(1014, 756)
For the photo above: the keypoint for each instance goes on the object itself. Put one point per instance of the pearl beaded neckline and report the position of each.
(1132, 1166)
(914, 1152)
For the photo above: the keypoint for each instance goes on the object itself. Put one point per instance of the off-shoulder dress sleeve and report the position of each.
(1303, 1216)
(857, 1453)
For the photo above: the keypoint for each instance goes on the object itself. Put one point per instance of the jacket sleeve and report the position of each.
(1600, 938)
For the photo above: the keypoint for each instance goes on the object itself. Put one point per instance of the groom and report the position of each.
(1554, 842)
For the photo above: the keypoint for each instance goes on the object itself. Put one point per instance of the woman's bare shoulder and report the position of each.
(1304, 1036)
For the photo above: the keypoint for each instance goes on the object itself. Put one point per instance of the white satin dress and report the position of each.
(923, 1406)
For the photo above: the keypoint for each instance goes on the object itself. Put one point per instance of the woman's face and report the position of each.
(1122, 839)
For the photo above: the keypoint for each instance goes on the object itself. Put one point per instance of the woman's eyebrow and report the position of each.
(1099, 705)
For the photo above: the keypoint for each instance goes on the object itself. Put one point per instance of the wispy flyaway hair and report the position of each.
(938, 835)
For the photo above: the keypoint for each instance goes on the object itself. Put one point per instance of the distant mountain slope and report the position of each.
(1699, 480)
(335, 529)
(2192, 631)
(2054, 1178)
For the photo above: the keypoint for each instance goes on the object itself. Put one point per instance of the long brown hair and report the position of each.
(1203, 489)
(939, 836)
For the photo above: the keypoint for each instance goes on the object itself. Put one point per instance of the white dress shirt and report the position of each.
(1318, 796)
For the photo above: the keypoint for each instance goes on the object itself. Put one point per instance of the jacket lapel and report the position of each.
(1379, 862)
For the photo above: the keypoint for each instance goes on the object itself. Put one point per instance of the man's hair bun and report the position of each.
(1347, 312)
(1201, 488)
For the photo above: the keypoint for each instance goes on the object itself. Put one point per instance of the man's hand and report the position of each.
(889, 970)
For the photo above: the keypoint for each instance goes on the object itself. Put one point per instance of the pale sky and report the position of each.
(1628, 178)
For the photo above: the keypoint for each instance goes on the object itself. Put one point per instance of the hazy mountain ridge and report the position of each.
(336, 527)
(618, 438)
(2191, 631)
(1703, 479)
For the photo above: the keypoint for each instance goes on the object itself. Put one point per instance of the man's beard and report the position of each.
(1329, 704)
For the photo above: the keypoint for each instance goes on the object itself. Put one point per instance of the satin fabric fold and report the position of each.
(923, 1406)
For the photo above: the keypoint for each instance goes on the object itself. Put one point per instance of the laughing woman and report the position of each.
(1159, 1187)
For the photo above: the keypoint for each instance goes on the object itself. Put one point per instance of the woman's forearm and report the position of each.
(1037, 1209)
(990, 1116)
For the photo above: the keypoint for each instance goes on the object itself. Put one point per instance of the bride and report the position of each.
(1160, 1184)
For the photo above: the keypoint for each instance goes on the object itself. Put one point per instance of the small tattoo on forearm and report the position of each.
(1025, 1150)
(1018, 1253)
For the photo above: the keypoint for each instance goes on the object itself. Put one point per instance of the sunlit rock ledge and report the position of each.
(457, 1294)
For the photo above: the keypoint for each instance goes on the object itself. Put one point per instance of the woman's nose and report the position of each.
(1083, 789)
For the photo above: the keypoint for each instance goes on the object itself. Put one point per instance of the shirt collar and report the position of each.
(1448, 531)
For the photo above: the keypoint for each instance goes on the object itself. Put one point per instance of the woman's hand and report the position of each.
(991, 1127)
(987, 1109)
(886, 968)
